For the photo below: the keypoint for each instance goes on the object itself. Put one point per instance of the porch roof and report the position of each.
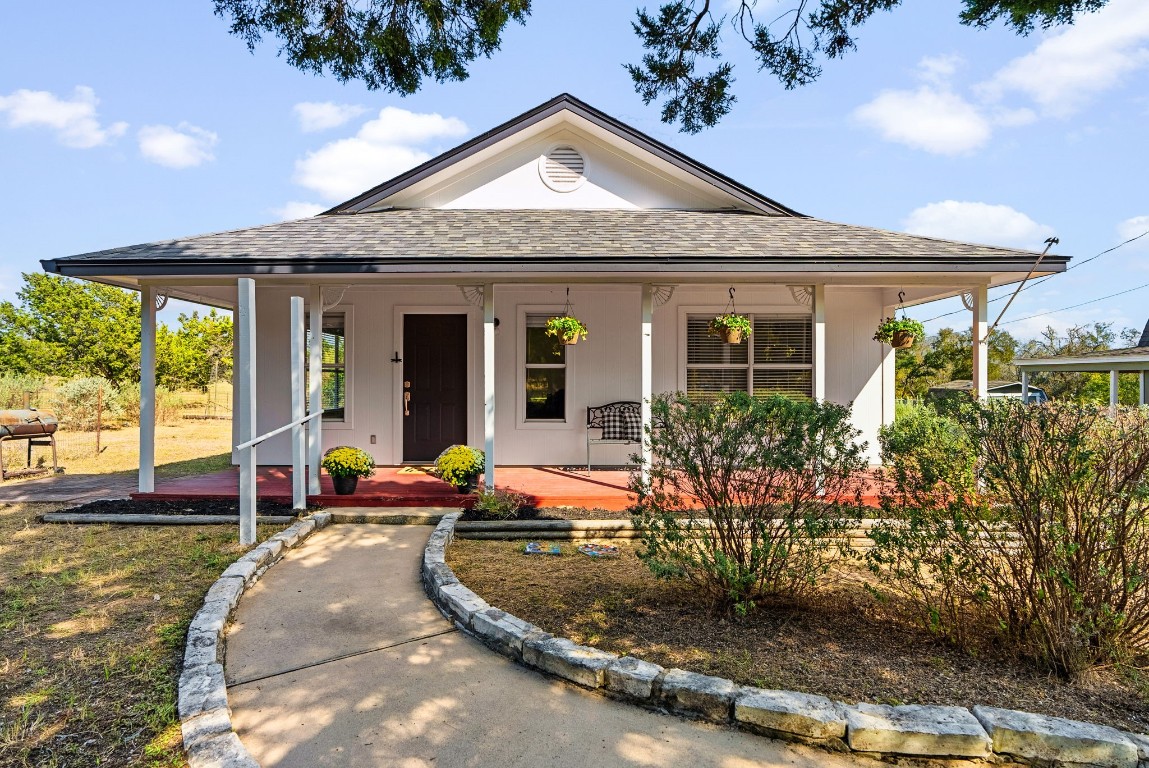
(426, 239)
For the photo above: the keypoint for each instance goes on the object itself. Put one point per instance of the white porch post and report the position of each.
(1114, 390)
(315, 391)
(819, 307)
(980, 345)
(647, 375)
(1144, 388)
(1025, 387)
(489, 385)
(298, 432)
(245, 338)
(147, 476)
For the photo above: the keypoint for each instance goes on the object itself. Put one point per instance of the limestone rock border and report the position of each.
(887, 732)
(209, 739)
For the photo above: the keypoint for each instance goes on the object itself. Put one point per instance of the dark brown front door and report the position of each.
(435, 379)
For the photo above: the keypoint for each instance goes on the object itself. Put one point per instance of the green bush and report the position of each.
(1044, 541)
(748, 497)
(499, 504)
(76, 403)
(926, 444)
(460, 465)
(14, 388)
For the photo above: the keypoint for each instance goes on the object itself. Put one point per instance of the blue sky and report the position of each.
(135, 121)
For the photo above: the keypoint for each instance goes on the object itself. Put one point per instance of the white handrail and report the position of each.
(274, 432)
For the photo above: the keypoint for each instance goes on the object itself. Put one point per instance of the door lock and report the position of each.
(406, 403)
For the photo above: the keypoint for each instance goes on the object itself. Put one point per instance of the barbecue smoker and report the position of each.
(38, 428)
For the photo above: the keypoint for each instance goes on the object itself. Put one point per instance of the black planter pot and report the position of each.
(344, 485)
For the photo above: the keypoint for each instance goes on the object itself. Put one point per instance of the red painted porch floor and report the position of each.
(412, 487)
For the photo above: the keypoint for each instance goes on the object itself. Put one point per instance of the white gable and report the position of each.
(512, 174)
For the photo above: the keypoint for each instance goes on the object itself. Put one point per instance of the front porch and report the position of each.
(411, 487)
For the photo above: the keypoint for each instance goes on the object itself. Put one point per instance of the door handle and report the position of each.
(406, 403)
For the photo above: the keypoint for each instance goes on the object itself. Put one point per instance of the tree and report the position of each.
(1081, 387)
(395, 44)
(68, 327)
(196, 354)
(948, 355)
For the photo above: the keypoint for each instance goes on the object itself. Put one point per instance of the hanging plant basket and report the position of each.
(899, 333)
(567, 329)
(731, 327)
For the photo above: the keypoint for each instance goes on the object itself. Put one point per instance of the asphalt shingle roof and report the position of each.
(636, 236)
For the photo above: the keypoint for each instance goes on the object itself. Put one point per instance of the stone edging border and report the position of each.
(209, 739)
(881, 731)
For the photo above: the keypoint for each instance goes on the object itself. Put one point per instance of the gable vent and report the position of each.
(562, 169)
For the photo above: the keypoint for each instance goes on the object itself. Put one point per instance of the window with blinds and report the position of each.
(334, 374)
(776, 359)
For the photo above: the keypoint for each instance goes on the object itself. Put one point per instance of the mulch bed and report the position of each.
(186, 507)
(845, 644)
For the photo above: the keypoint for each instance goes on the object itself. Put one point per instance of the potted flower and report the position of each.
(460, 466)
(731, 327)
(899, 334)
(568, 329)
(346, 465)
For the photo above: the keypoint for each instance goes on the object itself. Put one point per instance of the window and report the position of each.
(776, 359)
(546, 373)
(334, 387)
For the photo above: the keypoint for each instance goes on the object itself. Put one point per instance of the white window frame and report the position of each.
(348, 421)
(521, 422)
(685, 312)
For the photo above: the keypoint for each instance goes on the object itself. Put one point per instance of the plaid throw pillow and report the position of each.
(622, 424)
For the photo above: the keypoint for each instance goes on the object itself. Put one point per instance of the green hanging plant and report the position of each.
(731, 326)
(899, 333)
(568, 329)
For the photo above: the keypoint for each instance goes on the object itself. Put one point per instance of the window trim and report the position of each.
(685, 312)
(521, 422)
(348, 421)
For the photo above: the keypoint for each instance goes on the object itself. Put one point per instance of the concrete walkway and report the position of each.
(337, 658)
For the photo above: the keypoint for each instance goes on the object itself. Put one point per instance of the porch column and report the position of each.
(646, 357)
(819, 308)
(147, 476)
(1114, 390)
(245, 339)
(980, 346)
(1025, 387)
(298, 406)
(1144, 388)
(315, 390)
(489, 385)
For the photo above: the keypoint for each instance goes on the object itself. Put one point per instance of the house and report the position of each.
(427, 296)
(994, 388)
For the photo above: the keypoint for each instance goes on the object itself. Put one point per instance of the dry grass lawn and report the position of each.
(846, 645)
(93, 618)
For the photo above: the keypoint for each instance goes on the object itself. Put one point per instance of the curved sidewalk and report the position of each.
(337, 658)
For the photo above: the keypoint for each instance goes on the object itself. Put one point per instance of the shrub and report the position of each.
(1045, 539)
(169, 405)
(925, 444)
(346, 461)
(748, 497)
(460, 465)
(75, 403)
(499, 504)
(14, 388)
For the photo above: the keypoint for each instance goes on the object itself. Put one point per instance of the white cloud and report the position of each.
(1131, 228)
(382, 148)
(185, 146)
(930, 118)
(1068, 68)
(298, 209)
(977, 223)
(322, 115)
(938, 69)
(74, 120)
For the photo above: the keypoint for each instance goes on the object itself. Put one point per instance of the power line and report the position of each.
(1075, 306)
(1050, 277)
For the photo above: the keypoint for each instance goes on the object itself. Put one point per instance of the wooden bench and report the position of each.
(619, 423)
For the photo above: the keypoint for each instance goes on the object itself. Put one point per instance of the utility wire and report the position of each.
(1050, 277)
(1075, 306)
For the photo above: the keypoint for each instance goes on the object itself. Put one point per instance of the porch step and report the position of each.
(389, 515)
